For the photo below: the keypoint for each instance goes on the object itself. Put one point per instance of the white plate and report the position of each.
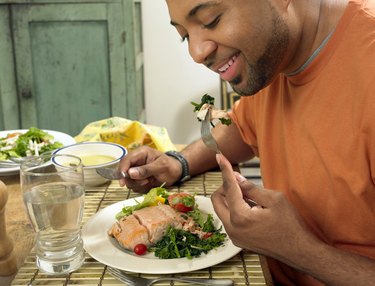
(101, 246)
(63, 138)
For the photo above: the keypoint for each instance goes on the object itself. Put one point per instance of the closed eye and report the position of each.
(212, 24)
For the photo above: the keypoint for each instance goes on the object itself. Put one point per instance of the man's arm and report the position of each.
(148, 167)
(334, 266)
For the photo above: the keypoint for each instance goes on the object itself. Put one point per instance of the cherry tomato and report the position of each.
(140, 249)
(182, 202)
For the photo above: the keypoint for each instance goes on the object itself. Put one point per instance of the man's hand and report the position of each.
(269, 228)
(274, 228)
(149, 168)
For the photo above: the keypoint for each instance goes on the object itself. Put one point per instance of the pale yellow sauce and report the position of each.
(90, 160)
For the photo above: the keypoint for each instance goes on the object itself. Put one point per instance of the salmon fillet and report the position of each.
(129, 232)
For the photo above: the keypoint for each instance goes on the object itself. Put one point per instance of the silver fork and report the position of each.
(141, 281)
(211, 143)
(206, 134)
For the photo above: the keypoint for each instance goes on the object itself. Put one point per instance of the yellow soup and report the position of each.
(89, 160)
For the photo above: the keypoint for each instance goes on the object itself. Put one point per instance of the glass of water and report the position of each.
(53, 193)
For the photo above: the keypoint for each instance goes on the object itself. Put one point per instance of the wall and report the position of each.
(172, 78)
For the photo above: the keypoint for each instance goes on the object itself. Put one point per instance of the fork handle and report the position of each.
(203, 281)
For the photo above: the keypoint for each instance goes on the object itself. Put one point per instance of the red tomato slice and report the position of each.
(182, 202)
(182, 208)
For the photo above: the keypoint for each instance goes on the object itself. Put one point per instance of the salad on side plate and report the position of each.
(33, 142)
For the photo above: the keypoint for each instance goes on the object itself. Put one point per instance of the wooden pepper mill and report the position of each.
(8, 263)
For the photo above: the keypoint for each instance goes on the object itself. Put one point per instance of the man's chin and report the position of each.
(242, 88)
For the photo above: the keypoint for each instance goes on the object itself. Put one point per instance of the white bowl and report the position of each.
(95, 155)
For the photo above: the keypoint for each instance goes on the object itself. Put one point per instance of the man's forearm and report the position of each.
(230, 143)
(334, 266)
(200, 159)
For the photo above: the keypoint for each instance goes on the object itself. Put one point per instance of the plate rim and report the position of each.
(93, 242)
(15, 170)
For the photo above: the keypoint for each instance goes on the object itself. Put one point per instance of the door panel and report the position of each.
(134, 62)
(68, 60)
(71, 73)
(8, 91)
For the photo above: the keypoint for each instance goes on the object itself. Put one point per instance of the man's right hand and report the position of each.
(148, 168)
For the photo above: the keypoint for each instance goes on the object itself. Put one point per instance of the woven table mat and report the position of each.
(244, 269)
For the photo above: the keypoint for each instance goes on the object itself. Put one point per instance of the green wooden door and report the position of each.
(70, 61)
(134, 63)
(8, 91)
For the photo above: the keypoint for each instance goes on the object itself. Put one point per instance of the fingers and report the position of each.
(148, 168)
(231, 187)
(228, 200)
(135, 164)
(256, 193)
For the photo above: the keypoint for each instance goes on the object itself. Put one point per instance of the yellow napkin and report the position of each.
(128, 133)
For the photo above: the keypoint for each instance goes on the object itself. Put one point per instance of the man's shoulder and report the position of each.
(369, 7)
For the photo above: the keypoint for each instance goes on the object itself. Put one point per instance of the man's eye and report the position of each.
(213, 23)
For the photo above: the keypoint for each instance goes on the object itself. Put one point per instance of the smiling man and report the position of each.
(306, 73)
(248, 53)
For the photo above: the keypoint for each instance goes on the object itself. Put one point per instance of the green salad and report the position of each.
(33, 142)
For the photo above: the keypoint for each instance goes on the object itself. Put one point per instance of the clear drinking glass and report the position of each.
(53, 193)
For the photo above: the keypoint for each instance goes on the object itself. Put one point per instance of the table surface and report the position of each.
(245, 268)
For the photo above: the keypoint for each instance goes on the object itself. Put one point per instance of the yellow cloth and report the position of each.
(128, 133)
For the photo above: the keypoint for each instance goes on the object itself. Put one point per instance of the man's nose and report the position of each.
(200, 49)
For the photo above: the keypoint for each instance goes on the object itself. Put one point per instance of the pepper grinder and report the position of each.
(8, 263)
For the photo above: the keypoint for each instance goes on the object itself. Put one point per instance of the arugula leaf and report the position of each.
(225, 121)
(205, 99)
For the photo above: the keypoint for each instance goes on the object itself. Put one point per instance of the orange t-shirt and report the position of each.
(315, 136)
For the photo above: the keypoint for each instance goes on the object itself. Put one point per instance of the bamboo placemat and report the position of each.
(244, 269)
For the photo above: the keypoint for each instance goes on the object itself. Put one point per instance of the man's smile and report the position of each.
(228, 70)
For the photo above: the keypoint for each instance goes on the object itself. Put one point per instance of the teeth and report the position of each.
(228, 64)
(224, 68)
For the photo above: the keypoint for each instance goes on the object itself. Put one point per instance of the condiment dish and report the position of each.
(95, 155)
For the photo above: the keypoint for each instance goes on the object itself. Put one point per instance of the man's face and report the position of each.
(244, 41)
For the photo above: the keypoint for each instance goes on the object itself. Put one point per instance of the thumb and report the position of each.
(141, 172)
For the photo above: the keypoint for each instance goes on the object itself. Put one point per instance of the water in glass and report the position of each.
(54, 200)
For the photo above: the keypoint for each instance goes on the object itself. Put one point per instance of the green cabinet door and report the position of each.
(8, 92)
(73, 64)
(134, 64)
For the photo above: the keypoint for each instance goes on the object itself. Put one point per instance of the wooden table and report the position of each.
(246, 268)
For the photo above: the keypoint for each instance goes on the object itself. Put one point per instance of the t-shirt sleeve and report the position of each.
(242, 115)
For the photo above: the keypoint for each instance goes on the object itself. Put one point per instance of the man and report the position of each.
(310, 68)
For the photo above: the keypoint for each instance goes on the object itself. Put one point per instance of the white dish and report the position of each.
(63, 138)
(101, 247)
(92, 178)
